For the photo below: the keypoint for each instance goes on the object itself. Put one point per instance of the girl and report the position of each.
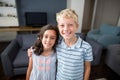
(42, 64)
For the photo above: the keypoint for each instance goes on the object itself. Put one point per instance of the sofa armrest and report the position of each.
(7, 57)
(94, 34)
(97, 50)
(94, 31)
(107, 40)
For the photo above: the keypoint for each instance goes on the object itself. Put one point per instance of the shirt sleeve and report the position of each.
(88, 53)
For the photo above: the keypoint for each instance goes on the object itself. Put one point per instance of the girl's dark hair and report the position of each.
(38, 46)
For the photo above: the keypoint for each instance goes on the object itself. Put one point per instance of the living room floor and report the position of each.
(97, 72)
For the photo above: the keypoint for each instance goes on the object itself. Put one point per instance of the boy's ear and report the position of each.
(77, 25)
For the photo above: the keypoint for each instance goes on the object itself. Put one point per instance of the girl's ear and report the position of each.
(38, 38)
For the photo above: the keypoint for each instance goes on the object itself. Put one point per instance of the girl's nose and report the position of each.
(48, 39)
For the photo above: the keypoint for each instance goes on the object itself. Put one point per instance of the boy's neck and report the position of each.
(71, 41)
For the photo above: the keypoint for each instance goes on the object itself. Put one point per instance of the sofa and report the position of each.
(15, 59)
(106, 35)
(112, 59)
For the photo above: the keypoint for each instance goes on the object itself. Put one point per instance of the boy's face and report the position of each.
(67, 27)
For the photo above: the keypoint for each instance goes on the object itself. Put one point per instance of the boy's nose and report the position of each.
(66, 27)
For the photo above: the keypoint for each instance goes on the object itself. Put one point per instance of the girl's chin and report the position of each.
(47, 48)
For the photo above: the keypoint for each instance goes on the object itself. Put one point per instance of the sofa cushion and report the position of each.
(106, 40)
(28, 40)
(21, 59)
(109, 29)
(93, 36)
(19, 39)
(113, 57)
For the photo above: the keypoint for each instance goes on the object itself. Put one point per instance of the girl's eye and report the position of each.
(52, 37)
(46, 36)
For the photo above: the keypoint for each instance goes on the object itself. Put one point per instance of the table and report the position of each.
(9, 33)
(3, 29)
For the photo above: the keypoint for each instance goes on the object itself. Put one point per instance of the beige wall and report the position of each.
(7, 36)
(108, 11)
(87, 15)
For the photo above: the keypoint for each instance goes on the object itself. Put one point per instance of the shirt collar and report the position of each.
(76, 45)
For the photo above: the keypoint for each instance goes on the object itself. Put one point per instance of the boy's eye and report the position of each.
(61, 25)
(70, 24)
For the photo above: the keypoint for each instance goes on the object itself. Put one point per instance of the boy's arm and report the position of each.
(29, 51)
(87, 70)
(29, 68)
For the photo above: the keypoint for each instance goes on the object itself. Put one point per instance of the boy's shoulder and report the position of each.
(83, 43)
(60, 40)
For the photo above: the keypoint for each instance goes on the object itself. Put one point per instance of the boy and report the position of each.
(74, 55)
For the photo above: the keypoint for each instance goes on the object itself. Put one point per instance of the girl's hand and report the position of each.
(30, 51)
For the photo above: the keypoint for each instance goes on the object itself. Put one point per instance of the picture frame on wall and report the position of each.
(8, 13)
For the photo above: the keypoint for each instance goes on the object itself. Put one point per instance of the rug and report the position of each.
(101, 79)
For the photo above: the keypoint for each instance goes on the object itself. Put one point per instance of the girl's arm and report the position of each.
(87, 70)
(29, 68)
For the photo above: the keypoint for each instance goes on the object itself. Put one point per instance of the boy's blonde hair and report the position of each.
(67, 13)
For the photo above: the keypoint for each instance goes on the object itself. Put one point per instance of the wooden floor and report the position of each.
(101, 71)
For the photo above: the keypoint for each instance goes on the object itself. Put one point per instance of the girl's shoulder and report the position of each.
(54, 53)
(35, 55)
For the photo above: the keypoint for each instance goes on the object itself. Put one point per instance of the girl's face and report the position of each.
(49, 38)
(67, 27)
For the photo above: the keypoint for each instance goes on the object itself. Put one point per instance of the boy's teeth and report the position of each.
(67, 33)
